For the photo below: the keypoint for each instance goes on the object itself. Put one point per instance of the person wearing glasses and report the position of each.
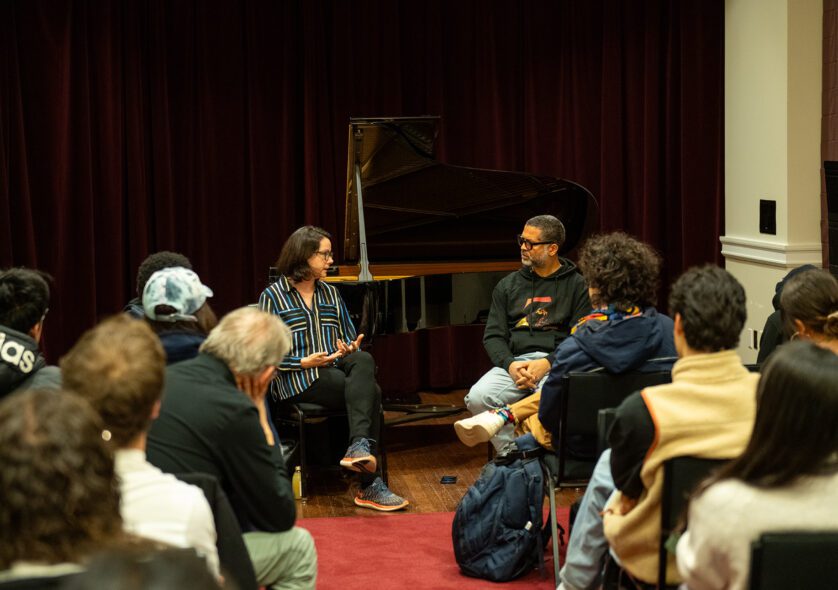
(326, 365)
(532, 312)
(24, 303)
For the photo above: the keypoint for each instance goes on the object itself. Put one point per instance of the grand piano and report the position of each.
(412, 219)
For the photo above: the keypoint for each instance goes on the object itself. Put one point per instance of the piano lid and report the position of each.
(418, 209)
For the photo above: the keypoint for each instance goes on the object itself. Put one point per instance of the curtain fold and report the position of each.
(216, 127)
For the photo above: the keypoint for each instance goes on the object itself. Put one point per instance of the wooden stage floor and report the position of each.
(418, 455)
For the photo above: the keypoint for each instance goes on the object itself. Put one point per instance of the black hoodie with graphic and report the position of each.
(534, 314)
(22, 366)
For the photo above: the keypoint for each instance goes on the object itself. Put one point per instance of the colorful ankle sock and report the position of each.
(507, 415)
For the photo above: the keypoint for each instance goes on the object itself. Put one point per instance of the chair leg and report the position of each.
(554, 524)
(301, 417)
(382, 451)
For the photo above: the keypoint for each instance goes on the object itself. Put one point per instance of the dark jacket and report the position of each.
(134, 308)
(180, 345)
(773, 334)
(530, 313)
(22, 366)
(619, 344)
(206, 425)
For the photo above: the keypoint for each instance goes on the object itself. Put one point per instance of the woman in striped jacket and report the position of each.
(326, 365)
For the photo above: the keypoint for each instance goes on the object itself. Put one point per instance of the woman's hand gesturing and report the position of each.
(319, 359)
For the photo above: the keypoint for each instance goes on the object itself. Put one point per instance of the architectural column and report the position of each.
(773, 65)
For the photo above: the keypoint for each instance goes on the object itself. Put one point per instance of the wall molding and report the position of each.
(775, 254)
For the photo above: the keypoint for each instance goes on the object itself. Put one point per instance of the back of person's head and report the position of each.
(622, 271)
(298, 248)
(796, 426)
(552, 230)
(175, 299)
(248, 340)
(59, 498)
(119, 367)
(165, 569)
(24, 298)
(158, 261)
(811, 297)
(711, 303)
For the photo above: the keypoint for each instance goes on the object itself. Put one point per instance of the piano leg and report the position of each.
(423, 311)
(403, 322)
(422, 323)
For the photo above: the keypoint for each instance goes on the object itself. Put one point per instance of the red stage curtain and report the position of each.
(215, 127)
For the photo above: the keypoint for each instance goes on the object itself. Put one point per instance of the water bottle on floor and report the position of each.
(297, 483)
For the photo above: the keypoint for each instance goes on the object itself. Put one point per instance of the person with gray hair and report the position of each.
(533, 310)
(213, 420)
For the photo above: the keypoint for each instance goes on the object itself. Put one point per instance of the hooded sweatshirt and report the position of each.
(531, 313)
(22, 366)
(615, 341)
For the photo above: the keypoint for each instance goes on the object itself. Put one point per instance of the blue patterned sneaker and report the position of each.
(379, 497)
(359, 457)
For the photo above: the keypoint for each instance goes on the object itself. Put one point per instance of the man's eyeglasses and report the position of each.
(529, 244)
(326, 255)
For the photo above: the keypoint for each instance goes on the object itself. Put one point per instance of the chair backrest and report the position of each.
(681, 475)
(44, 583)
(803, 559)
(232, 552)
(586, 394)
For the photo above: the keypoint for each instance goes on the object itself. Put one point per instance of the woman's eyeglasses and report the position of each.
(529, 244)
(326, 255)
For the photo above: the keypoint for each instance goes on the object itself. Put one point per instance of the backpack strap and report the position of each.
(514, 455)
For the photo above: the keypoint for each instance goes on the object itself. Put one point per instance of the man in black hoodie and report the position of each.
(533, 310)
(24, 299)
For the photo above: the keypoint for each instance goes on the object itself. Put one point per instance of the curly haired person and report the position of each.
(624, 333)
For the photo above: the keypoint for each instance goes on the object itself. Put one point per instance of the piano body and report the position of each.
(412, 223)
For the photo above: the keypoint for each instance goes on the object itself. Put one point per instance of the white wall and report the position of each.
(772, 144)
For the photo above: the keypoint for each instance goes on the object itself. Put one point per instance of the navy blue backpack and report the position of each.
(497, 525)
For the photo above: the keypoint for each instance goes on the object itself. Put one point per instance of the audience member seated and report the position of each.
(176, 307)
(707, 411)
(149, 266)
(166, 569)
(119, 367)
(59, 500)
(533, 310)
(625, 333)
(773, 333)
(213, 420)
(810, 308)
(24, 302)
(326, 365)
(785, 480)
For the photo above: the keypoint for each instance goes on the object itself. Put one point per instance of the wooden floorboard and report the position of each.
(418, 455)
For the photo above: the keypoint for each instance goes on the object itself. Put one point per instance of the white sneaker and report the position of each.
(479, 428)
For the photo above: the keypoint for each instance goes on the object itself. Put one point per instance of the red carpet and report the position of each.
(403, 551)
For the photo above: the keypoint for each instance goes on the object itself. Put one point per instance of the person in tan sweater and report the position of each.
(706, 411)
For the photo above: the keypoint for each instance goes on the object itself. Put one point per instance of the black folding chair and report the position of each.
(232, 552)
(304, 414)
(585, 395)
(681, 475)
(800, 559)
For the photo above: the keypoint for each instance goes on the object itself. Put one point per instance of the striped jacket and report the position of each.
(312, 330)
